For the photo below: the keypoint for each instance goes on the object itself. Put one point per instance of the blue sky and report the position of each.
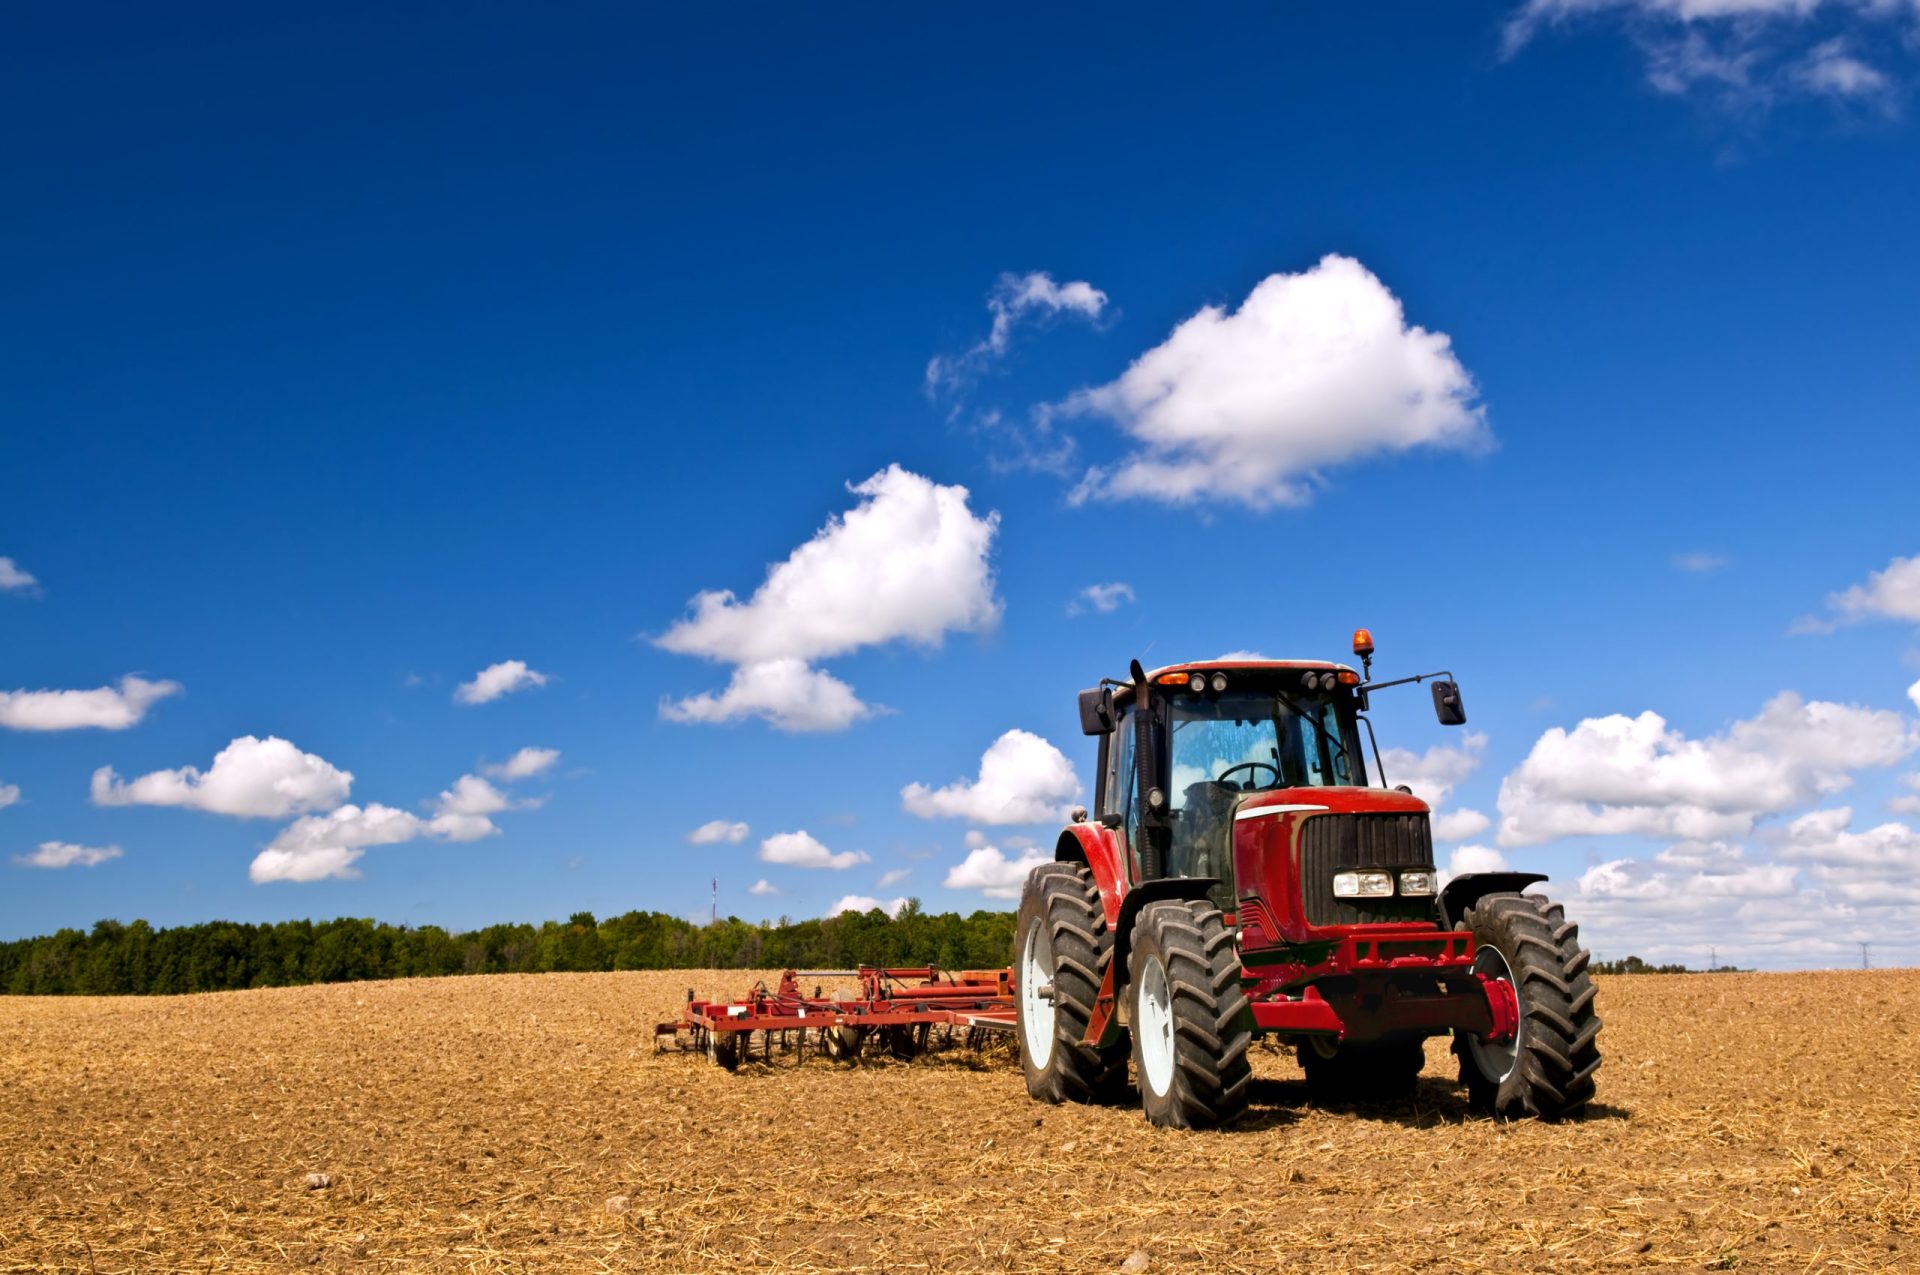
(351, 354)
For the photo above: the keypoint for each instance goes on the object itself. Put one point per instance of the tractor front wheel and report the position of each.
(1061, 950)
(1189, 1038)
(1546, 1069)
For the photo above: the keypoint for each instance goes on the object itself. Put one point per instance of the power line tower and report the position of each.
(1865, 964)
(1713, 958)
(713, 915)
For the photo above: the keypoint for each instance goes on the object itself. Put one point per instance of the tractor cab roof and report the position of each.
(1174, 674)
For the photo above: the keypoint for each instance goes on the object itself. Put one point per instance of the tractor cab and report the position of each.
(1220, 737)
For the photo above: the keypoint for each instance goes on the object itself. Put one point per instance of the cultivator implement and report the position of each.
(895, 1009)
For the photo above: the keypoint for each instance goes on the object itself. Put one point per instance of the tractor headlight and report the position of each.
(1416, 882)
(1362, 885)
(1219, 683)
(1197, 683)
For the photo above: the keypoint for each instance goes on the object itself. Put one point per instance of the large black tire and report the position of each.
(1374, 1072)
(1547, 1070)
(1189, 1016)
(1061, 938)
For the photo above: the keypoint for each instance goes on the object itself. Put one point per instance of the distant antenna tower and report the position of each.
(1864, 964)
(713, 917)
(1713, 958)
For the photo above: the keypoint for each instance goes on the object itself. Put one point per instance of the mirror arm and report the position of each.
(1403, 681)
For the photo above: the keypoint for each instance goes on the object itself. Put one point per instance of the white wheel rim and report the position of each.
(1036, 1011)
(1496, 1060)
(1154, 1028)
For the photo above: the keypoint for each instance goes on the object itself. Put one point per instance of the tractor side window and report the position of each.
(1120, 795)
(1120, 778)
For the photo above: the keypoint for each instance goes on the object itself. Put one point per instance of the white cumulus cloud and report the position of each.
(1699, 562)
(251, 777)
(15, 579)
(65, 854)
(104, 708)
(800, 850)
(788, 695)
(909, 563)
(1434, 774)
(524, 764)
(1022, 779)
(1892, 593)
(496, 680)
(1459, 825)
(1103, 598)
(9, 794)
(895, 877)
(1466, 859)
(317, 846)
(1879, 866)
(1826, 891)
(714, 831)
(988, 870)
(1313, 370)
(866, 903)
(1744, 54)
(1620, 775)
(1015, 298)
(763, 887)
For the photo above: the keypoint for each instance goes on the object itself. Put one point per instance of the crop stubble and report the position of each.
(1747, 1121)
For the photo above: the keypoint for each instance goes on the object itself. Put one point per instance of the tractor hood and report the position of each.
(1344, 801)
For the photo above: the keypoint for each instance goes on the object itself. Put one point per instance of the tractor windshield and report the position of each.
(1248, 741)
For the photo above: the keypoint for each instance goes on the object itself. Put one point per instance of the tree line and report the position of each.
(116, 958)
(1634, 965)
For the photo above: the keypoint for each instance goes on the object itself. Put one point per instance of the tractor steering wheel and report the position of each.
(1249, 785)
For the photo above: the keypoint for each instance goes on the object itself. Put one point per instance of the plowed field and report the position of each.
(1757, 1122)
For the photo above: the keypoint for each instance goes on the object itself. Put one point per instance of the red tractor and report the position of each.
(1242, 872)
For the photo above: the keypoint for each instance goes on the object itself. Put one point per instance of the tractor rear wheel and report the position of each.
(1546, 1070)
(1375, 1071)
(1061, 950)
(1189, 1035)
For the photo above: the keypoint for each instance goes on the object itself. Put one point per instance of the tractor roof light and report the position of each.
(1219, 683)
(1197, 683)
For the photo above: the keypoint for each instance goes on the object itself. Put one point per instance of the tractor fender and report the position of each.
(1463, 892)
(1146, 892)
(1099, 848)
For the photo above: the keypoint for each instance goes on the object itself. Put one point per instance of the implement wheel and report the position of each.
(724, 1049)
(1375, 1071)
(1190, 1037)
(1061, 950)
(905, 1041)
(1546, 1070)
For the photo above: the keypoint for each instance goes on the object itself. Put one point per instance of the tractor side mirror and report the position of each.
(1096, 711)
(1446, 704)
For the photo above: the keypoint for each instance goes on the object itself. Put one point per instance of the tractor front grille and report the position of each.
(1340, 843)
